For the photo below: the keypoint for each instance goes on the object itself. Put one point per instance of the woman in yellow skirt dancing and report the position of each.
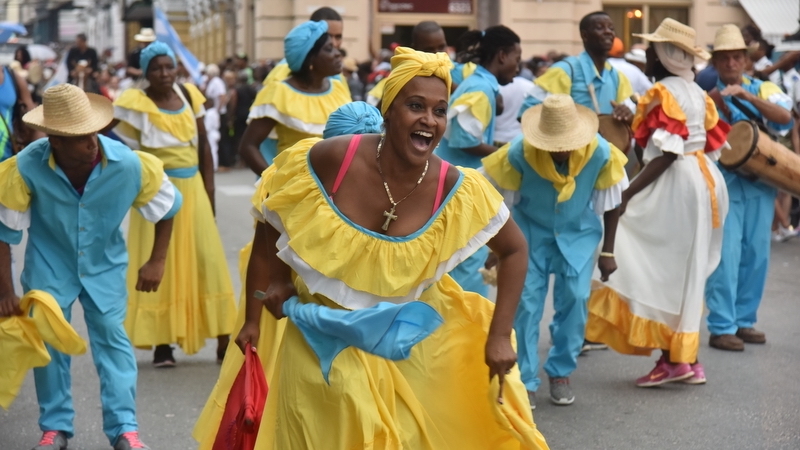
(369, 225)
(196, 299)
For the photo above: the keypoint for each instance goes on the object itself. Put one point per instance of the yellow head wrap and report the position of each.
(407, 64)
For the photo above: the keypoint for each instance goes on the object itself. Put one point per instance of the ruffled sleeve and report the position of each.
(716, 131)
(197, 100)
(659, 124)
(158, 199)
(142, 124)
(499, 169)
(611, 182)
(358, 268)
(468, 117)
(15, 201)
(283, 104)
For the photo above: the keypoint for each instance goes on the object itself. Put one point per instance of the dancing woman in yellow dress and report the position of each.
(297, 107)
(370, 225)
(196, 299)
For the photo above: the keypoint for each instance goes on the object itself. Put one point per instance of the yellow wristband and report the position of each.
(606, 255)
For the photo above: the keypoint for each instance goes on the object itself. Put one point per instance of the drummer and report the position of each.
(566, 176)
(734, 290)
(590, 71)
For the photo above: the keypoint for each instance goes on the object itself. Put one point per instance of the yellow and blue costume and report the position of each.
(573, 76)
(195, 300)
(82, 256)
(557, 211)
(734, 290)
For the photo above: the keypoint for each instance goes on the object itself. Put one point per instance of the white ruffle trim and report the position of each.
(262, 111)
(608, 199)
(467, 121)
(339, 292)
(14, 219)
(161, 204)
(149, 135)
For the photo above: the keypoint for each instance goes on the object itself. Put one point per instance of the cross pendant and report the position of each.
(390, 215)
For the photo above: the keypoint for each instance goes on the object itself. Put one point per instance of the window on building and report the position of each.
(638, 18)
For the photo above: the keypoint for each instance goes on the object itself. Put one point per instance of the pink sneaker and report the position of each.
(665, 372)
(699, 376)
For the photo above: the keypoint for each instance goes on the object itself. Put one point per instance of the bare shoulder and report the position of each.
(327, 155)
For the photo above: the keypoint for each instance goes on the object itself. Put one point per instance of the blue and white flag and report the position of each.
(61, 75)
(166, 34)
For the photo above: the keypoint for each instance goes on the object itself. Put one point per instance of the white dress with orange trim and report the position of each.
(669, 239)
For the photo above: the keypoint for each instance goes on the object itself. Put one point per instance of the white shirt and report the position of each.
(762, 64)
(506, 125)
(639, 81)
(216, 89)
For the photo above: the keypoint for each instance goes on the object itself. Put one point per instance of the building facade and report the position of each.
(543, 25)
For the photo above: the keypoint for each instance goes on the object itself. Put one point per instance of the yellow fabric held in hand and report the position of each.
(22, 340)
(182, 125)
(499, 168)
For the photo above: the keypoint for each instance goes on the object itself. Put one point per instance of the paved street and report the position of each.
(751, 402)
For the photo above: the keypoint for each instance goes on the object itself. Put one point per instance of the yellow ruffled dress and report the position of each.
(440, 397)
(195, 300)
(299, 115)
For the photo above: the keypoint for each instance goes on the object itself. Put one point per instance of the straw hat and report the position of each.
(677, 34)
(145, 35)
(729, 37)
(68, 111)
(559, 125)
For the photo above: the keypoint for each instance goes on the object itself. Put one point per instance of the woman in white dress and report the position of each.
(670, 236)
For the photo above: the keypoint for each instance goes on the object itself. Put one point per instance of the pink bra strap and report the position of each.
(348, 159)
(440, 189)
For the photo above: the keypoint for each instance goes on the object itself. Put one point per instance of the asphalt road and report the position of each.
(751, 401)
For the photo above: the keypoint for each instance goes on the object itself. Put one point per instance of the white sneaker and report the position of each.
(783, 234)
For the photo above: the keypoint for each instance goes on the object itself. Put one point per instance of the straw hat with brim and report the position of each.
(68, 111)
(677, 34)
(145, 35)
(559, 125)
(729, 37)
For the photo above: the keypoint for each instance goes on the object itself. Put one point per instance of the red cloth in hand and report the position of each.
(242, 417)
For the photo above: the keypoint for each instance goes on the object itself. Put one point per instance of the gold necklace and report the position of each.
(390, 215)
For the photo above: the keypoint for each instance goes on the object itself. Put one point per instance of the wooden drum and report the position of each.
(754, 154)
(616, 132)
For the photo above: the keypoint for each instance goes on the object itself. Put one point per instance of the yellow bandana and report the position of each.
(407, 64)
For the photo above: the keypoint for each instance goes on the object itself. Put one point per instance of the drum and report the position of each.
(753, 154)
(616, 132)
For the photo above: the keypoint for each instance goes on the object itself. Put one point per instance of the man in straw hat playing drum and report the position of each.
(670, 232)
(588, 78)
(734, 291)
(566, 176)
(88, 183)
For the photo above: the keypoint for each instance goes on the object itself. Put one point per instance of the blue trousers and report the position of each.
(116, 366)
(570, 296)
(734, 290)
(467, 276)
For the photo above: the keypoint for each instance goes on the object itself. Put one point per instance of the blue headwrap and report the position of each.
(151, 51)
(300, 41)
(353, 118)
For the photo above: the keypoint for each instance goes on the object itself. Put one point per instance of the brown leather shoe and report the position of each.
(751, 336)
(726, 342)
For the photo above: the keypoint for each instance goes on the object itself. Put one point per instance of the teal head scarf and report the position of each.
(300, 41)
(353, 118)
(151, 51)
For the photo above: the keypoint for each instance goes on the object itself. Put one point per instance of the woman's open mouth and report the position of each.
(421, 140)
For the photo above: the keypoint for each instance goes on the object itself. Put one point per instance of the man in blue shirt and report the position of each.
(734, 290)
(71, 191)
(588, 78)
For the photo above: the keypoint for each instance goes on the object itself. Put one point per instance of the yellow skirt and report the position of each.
(205, 430)
(195, 300)
(440, 398)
